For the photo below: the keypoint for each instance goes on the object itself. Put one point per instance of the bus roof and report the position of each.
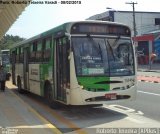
(63, 27)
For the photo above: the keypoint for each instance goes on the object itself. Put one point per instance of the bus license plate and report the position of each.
(111, 96)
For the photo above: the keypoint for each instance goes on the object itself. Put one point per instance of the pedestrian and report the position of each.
(3, 74)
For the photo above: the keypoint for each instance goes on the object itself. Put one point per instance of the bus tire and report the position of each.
(19, 85)
(49, 96)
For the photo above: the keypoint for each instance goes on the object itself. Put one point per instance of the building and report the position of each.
(145, 21)
(147, 45)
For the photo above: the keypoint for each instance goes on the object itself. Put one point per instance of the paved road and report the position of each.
(148, 100)
(108, 116)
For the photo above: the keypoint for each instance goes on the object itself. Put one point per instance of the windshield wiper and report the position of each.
(96, 45)
(116, 40)
(111, 50)
(113, 44)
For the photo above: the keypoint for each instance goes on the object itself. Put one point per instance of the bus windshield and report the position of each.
(103, 56)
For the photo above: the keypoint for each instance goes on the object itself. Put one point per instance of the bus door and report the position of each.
(62, 68)
(26, 68)
(13, 61)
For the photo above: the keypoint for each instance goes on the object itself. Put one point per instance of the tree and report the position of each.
(9, 40)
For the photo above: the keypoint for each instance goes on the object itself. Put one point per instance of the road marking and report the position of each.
(124, 109)
(127, 110)
(149, 93)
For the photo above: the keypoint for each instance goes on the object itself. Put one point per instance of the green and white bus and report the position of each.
(77, 63)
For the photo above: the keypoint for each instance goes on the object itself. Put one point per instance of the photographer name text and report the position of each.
(39, 2)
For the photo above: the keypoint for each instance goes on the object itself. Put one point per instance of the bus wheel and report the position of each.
(19, 85)
(49, 96)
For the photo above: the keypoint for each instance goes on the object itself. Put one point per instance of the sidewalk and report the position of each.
(150, 74)
(148, 68)
(17, 117)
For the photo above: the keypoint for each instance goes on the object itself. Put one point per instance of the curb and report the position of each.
(149, 81)
(149, 76)
(144, 78)
(149, 71)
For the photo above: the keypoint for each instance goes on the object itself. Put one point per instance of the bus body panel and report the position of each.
(78, 96)
(19, 70)
(34, 78)
(46, 74)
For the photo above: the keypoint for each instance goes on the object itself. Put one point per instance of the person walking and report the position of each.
(3, 75)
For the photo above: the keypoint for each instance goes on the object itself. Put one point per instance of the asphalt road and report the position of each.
(148, 100)
(121, 115)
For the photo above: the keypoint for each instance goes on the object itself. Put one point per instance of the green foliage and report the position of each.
(9, 40)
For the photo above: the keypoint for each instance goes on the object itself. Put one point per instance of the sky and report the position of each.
(37, 18)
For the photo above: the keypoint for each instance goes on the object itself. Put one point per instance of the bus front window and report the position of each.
(120, 56)
(102, 56)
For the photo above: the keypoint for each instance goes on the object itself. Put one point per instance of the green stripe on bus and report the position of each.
(94, 83)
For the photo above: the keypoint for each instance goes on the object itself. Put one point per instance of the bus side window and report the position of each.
(21, 55)
(47, 49)
(33, 49)
(17, 55)
(39, 52)
(13, 57)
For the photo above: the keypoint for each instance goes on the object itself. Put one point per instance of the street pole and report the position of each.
(134, 20)
(134, 27)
